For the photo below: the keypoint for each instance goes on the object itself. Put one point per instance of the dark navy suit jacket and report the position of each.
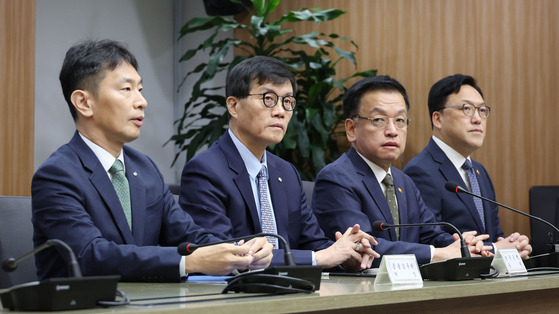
(216, 191)
(347, 192)
(75, 201)
(431, 169)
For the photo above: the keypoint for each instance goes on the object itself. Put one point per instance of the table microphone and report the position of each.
(455, 187)
(544, 260)
(56, 294)
(188, 248)
(10, 264)
(462, 268)
(382, 226)
(291, 278)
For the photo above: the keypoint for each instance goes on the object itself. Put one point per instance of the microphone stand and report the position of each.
(462, 268)
(543, 260)
(56, 294)
(290, 278)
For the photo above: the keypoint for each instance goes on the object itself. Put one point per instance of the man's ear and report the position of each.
(232, 103)
(436, 119)
(82, 101)
(350, 126)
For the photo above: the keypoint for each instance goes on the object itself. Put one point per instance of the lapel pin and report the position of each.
(135, 174)
(477, 172)
(280, 179)
(400, 189)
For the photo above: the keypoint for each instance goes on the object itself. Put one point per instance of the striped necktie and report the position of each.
(474, 186)
(266, 214)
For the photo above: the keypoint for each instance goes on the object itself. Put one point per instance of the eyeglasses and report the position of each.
(380, 122)
(270, 99)
(469, 110)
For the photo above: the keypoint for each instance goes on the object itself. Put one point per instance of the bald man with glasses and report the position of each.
(459, 118)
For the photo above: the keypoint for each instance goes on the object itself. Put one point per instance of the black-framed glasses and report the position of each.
(469, 110)
(270, 99)
(380, 122)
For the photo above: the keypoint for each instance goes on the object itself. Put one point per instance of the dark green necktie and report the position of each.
(122, 189)
(391, 199)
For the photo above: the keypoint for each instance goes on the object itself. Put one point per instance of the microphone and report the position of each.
(382, 226)
(455, 187)
(10, 264)
(56, 294)
(543, 260)
(188, 248)
(465, 267)
(291, 278)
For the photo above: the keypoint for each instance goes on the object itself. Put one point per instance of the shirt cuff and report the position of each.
(313, 259)
(182, 269)
(432, 252)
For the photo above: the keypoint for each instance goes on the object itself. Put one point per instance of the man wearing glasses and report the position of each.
(362, 187)
(237, 188)
(459, 119)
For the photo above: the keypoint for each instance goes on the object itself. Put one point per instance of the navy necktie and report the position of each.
(266, 214)
(474, 185)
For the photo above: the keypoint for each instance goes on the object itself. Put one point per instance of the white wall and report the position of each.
(150, 30)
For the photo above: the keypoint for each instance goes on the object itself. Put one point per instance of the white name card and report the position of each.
(399, 270)
(508, 261)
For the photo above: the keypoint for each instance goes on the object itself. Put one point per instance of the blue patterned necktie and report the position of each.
(391, 199)
(266, 215)
(122, 189)
(474, 185)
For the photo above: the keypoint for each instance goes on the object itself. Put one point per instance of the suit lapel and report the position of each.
(103, 185)
(450, 173)
(373, 187)
(240, 177)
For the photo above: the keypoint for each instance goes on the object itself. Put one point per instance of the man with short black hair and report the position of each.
(459, 120)
(109, 202)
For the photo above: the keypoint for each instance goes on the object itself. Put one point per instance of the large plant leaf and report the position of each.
(308, 142)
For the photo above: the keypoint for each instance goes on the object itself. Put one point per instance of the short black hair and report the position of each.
(261, 69)
(352, 98)
(85, 64)
(438, 95)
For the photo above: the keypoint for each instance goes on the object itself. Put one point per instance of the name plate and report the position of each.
(399, 270)
(508, 261)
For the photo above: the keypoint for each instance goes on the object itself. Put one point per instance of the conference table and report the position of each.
(535, 292)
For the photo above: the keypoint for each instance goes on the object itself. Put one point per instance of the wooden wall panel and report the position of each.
(509, 46)
(17, 90)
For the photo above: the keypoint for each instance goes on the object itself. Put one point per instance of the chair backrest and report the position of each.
(175, 190)
(544, 202)
(308, 186)
(16, 239)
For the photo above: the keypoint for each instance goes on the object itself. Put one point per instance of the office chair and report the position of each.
(543, 203)
(308, 186)
(16, 239)
(175, 190)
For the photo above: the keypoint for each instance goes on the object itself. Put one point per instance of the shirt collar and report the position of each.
(455, 157)
(107, 160)
(252, 164)
(378, 171)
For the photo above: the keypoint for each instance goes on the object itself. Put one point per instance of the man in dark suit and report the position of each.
(362, 186)
(109, 202)
(459, 118)
(238, 188)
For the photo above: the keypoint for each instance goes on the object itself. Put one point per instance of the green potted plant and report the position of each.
(309, 142)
